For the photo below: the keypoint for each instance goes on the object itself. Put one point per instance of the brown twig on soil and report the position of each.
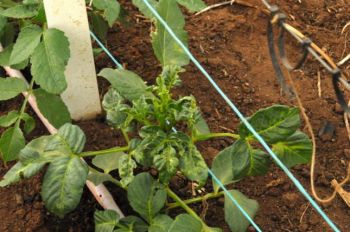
(313, 157)
(302, 215)
(347, 125)
(319, 83)
(231, 2)
(227, 129)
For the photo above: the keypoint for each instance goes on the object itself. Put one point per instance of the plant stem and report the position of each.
(183, 205)
(203, 137)
(195, 200)
(126, 136)
(25, 102)
(103, 152)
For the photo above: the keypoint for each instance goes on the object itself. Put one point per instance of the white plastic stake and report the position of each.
(81, 96)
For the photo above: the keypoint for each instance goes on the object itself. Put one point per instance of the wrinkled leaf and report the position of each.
(274, 123)
(52, 107)
(49, 61)
(11, 87)
(68, 137)
(166, 163)
(28, 39)
(105, 221)
(296, 149)
(222, 168)
(128, 84)
(114, 106)
(110, 8)
(192, 5)
(108, 162)
(11, 142)
(35, 151)
(9, 119)
(146, 196)
(165, 47)
(193, 166)
(19, 171)
(233, 216)
(63, 184)
(126, 170)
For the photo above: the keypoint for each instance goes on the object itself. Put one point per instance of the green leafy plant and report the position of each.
(160, 132)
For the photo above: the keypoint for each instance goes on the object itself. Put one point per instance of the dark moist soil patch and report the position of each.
(231, 44)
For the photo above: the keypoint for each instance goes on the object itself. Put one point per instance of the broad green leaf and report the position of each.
(19, 171)
(274, 123)
(193, 166)
(132, 224)
(29, 123)
(186, 222)
(201, 126)
(192, 5)
(11, 142)
(99, 26)
(5, 59)
(63, 184)
(247, 161)
(9, 119)
(160, 223)
(28, 39)
(114, 105)
(20, 11)
(8, 35)
(52, 107)
(126, 170)
(31, 2)
(69, 137)
(296, 149)
(98, 177)
(49, 61)
(146, 196)
(110, 8)
(143, 7)
(165, 47)
(222, 167)
(105, 221)
(11, 87)
(233, 216)
(35, 151)
(3, 22)
(108, 162)
(166, 163)
(127, 83)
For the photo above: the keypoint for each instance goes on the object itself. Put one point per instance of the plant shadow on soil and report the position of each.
(231, 44)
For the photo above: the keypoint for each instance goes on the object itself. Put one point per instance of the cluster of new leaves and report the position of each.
(131, 104)
(66, 175)
(46, 51)
(147, 197)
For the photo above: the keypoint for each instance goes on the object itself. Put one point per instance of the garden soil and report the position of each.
(231, 43)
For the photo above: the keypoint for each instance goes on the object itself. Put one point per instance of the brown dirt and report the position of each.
(231, 44)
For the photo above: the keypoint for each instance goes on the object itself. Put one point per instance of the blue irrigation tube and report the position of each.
(243, 119)
(246, 215)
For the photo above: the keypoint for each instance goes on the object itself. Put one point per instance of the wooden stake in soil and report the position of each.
(81, 96)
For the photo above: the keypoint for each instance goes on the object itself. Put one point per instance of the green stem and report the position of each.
(104, 152)
(195, 200)
(25, 102)
(203, 137)
(126, 136)
(183, 205)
